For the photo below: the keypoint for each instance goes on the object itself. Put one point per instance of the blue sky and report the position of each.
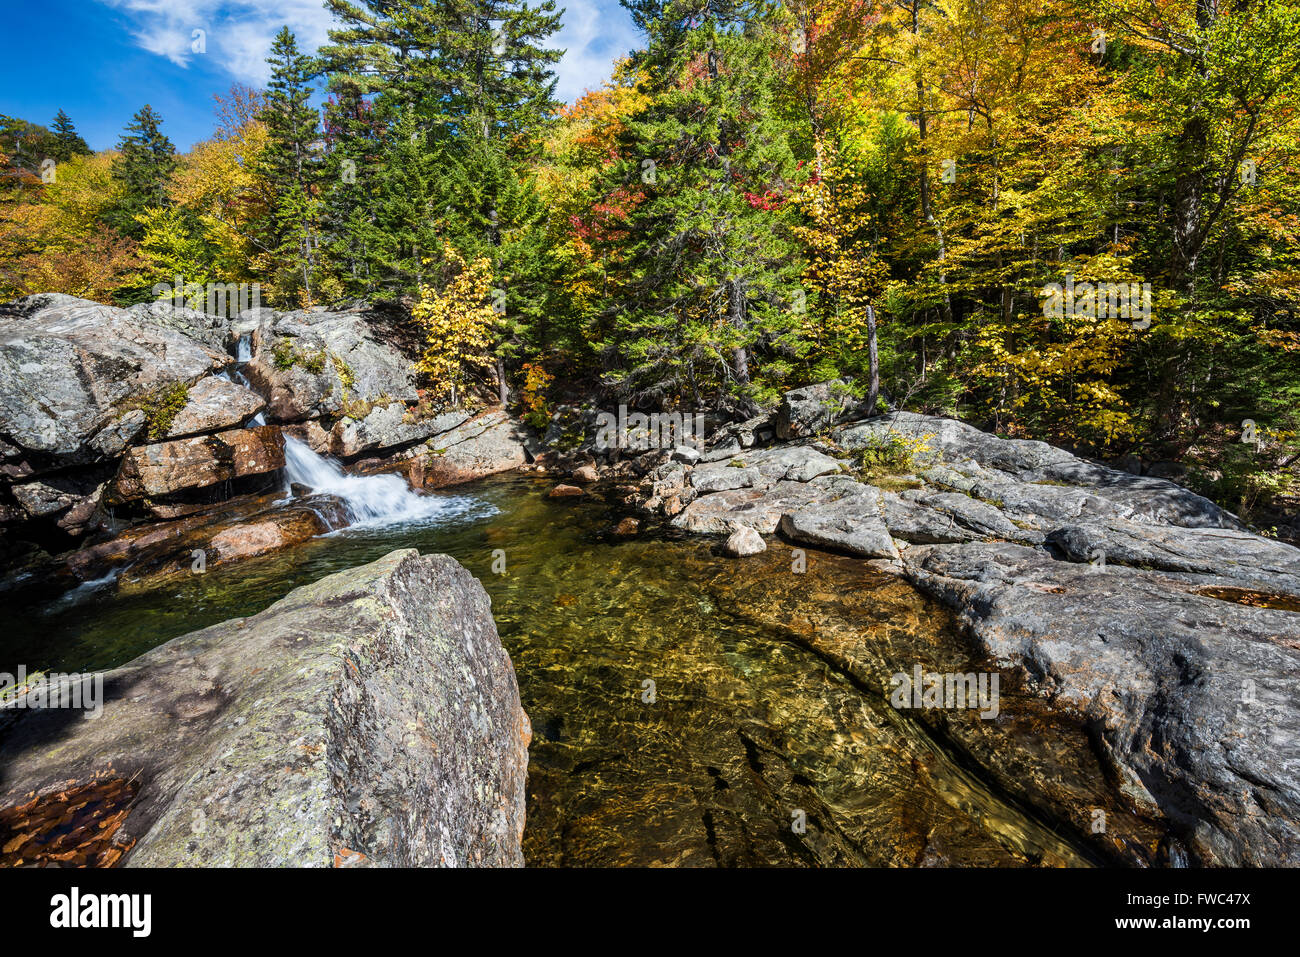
(101, 60)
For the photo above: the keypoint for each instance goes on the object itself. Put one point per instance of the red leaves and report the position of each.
(769, 200)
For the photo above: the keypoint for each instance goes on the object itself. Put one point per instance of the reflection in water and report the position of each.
(695, 710)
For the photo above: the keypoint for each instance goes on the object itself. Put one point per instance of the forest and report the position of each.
(1067, 220)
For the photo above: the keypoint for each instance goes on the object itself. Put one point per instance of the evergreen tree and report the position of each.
(353, 140)
(289, 166)
(711, 274)
(67, 141)
(143, 169)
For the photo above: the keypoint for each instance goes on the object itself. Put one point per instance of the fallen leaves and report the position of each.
(74, 827)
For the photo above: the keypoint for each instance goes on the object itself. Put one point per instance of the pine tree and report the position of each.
(144, 168)
(704, 171)
(67, 141)
(454, 62)
(290, 167)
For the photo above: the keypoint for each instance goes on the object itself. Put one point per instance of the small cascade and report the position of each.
(243, 355)
(369, 499)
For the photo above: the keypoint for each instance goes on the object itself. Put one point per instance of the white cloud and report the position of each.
(238, 35)
(594, 34)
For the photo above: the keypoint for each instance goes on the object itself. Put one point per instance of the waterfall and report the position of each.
(243, 355)
(369, 499)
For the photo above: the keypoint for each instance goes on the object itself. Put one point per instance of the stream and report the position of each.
(687, 709)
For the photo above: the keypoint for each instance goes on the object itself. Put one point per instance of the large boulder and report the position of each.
(318, 363)
(370, 719)
(812, 409)
(214, 404)
(73, 374)
(486, 445)
(1191, 688)
(390, 426)
(153, 473)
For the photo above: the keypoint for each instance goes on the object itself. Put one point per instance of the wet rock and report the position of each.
(215, 405)
(586, 475)
(627, 527)
(167, 467)
(371, 718)
(150, 554)
(1192, 696)
(565, 491)
(744, 542)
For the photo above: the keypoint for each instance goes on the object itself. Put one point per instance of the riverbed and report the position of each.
(687, 708)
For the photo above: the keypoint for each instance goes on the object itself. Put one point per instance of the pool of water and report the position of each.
(690, 709)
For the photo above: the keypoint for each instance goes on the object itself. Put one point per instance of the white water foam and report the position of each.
(369, 499)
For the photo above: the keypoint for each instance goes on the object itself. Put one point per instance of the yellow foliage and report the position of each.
(53, 241)
(459, 325)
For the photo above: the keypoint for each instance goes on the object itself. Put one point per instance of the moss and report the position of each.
(347, 375)
(314, 362)
(160, 408)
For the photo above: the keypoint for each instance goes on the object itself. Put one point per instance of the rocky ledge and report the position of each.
(111, 417)
(1169, 627)
(371, 718)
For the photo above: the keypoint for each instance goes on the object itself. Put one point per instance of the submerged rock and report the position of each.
(744, 542)
(372, 718)
(1125, 598)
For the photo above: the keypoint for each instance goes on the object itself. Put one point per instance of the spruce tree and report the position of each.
(290, 167)
(67, 141)
(711, 274)
(144, 168)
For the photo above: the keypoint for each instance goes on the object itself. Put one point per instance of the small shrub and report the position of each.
(283, 354)
(890, 454)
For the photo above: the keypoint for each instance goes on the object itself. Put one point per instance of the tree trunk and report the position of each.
(873, 393)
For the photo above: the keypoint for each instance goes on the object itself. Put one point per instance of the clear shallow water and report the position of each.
(768, 707)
